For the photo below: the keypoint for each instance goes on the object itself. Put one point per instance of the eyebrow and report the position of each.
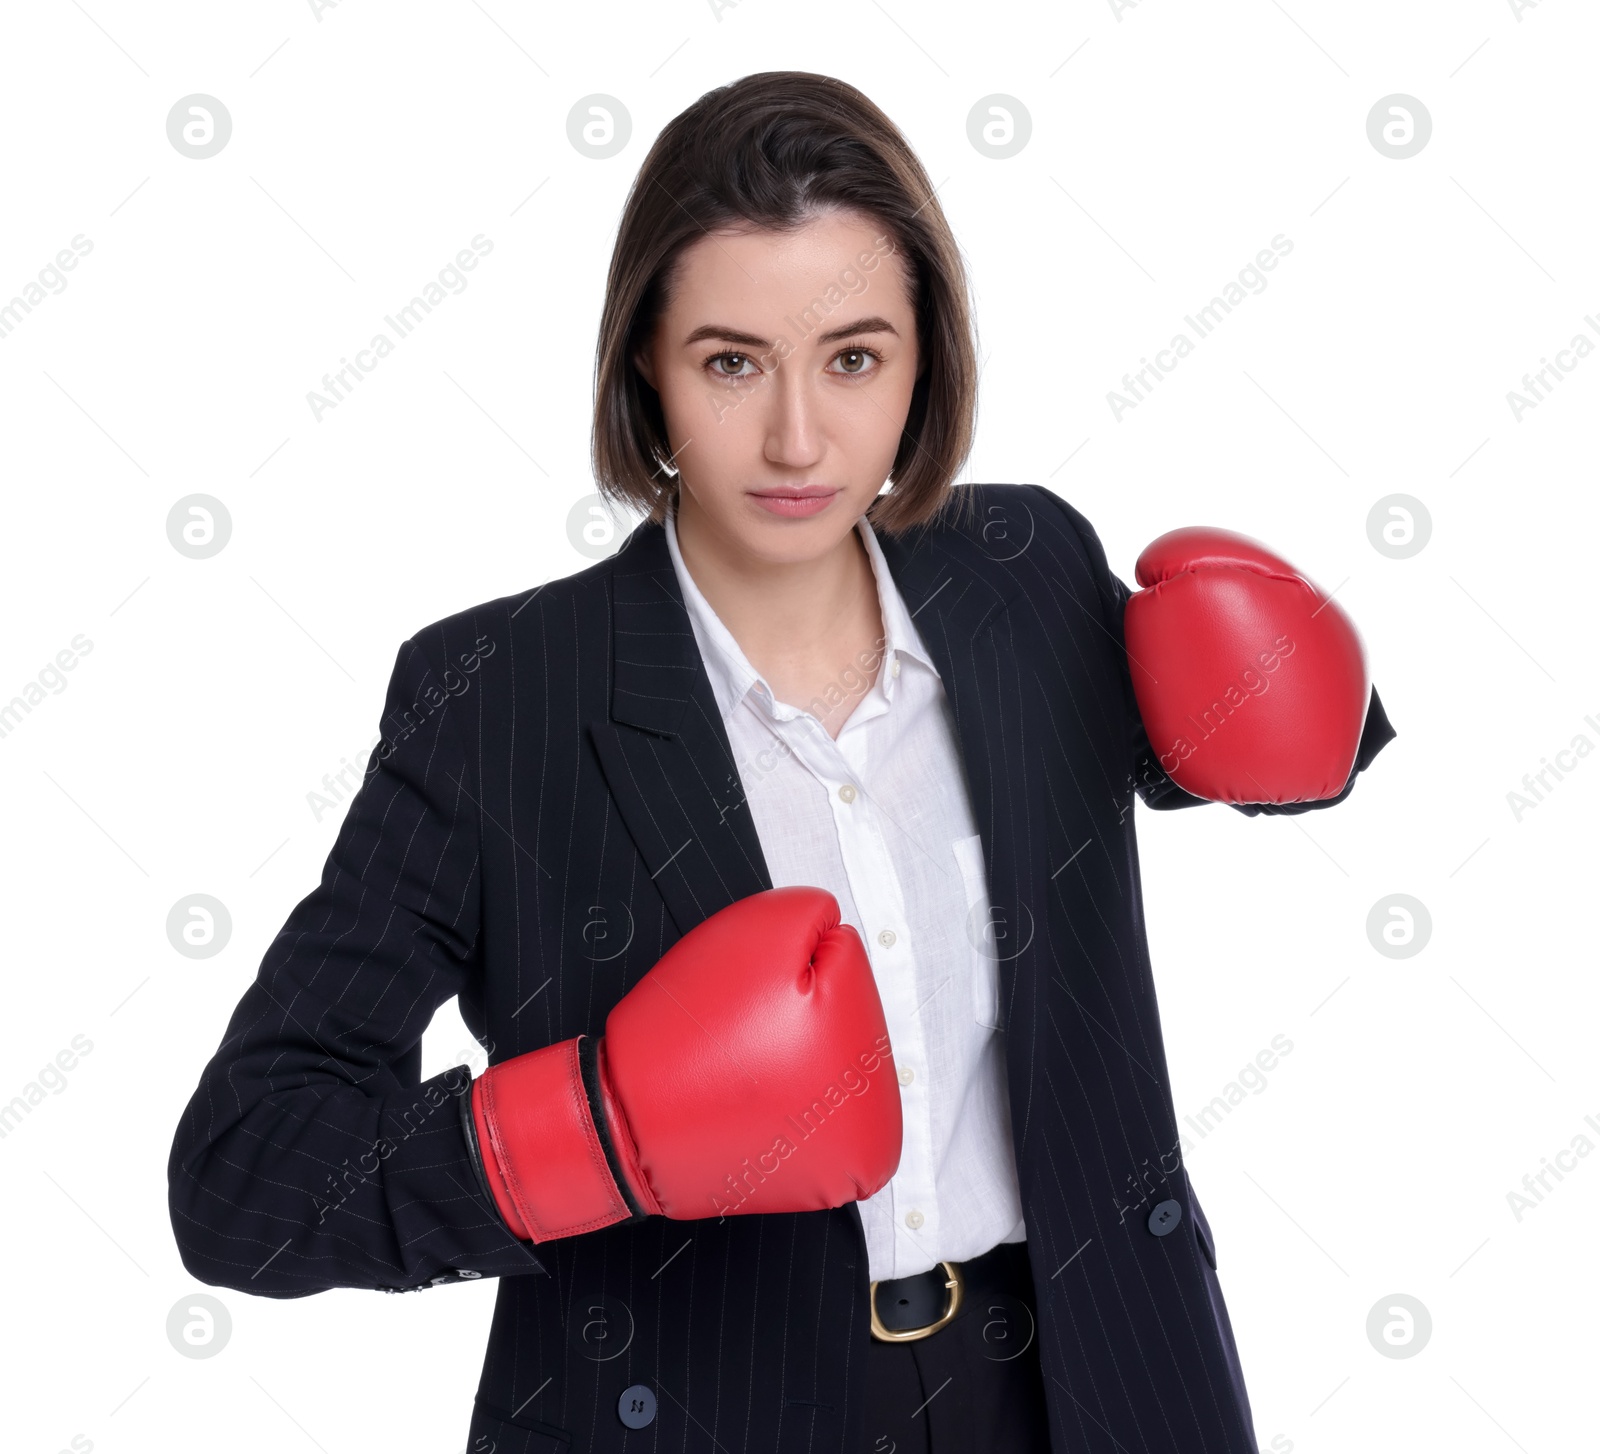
(750, 340)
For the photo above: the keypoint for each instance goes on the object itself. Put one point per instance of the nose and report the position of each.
(793, 424)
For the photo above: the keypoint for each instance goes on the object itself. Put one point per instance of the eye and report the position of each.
(737, 372)
(855, 361)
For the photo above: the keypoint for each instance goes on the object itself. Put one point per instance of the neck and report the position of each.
(781, 609)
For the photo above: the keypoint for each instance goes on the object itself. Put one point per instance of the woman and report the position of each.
(785, 864)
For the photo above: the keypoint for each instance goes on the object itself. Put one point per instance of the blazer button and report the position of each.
(637, 1406)
(1164, 1217)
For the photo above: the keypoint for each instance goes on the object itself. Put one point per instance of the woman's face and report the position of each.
(785, 363)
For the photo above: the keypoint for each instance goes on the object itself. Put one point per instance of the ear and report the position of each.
(643, 362)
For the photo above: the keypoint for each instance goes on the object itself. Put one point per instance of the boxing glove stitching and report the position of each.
(537, 1227)
(470, 1131)
(497, 1148)
(589, 1072)
(580, 1101)
(597, 1154)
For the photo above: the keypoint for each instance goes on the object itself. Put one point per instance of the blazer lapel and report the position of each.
(665, 751)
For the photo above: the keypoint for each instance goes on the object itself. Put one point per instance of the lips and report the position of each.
(795, 504)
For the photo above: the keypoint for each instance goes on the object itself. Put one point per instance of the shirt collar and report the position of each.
(732, 676)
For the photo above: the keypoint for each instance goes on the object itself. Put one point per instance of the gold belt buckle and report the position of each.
(954, 1283)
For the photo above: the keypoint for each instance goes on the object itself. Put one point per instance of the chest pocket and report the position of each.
(984, 938)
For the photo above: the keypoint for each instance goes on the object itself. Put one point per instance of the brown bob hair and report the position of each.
(774, 150)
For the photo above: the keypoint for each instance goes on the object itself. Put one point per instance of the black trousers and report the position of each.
(975, 1385)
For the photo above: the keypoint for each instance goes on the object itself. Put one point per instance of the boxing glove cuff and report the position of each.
(556, 1154)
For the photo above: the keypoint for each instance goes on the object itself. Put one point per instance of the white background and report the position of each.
(1170, 143)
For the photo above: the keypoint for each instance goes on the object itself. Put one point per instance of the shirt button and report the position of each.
(847, 794)
(907, 1075)
(886, 938)
(913, 1220)
(894, 670)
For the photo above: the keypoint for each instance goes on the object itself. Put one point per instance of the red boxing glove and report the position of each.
(748, 1071)
(1252, 684)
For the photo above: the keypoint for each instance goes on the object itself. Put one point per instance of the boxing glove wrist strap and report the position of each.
(555, 1163)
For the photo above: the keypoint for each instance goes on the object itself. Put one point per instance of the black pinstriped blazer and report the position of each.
(553, 804)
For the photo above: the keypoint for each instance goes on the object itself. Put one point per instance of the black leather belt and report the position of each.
(907, 1308)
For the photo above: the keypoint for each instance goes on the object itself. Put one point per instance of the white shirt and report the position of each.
(881, 819)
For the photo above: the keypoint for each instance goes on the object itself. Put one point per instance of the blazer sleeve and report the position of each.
(312, 1155)
(1149, 779)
